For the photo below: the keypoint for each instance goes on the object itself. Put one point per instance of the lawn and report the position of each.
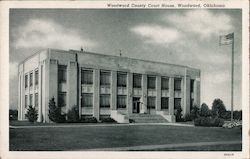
(89, 137)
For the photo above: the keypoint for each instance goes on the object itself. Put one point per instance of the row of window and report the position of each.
(26, 103)
(87, 78)
(31, 79)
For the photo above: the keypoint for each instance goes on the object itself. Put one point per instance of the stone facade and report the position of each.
(90, 82)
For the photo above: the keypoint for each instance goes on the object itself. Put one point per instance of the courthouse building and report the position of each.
(105, 85)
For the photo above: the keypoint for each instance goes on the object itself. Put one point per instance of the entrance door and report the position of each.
(136, 105)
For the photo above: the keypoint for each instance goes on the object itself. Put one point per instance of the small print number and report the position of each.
(228, 154)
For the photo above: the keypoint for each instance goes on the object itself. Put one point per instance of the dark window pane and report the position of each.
(177, 103)
(192, 86)
(121, 79)
(31, 79)
(105, 78)
(26, 81)
(121, 101)
(151, 82)
(164, 83)
(31, 99)
(36, 77)
(177, 84)
(87, 100)
(36, 100)
(151, 103)
(164, 103)
(137, 81)
(62, 73)
(26, 101)
(62, 99)
(105, 101)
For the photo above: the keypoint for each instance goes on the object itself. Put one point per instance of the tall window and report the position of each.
(192, 86)
(62, 99)
(151, 82)
(26, 101)
(36, 100)
(36, 77)
(87, 100)
(164, 83)
(87, 77)
(26, 81)
(177, 103)
(105, 101)
(121, 79)
(151, 103)
(164, 102)
(137, 81)
(105, 78)
(31, 99)
(121, 101)
(62, 73)
(31, 79)
(177, 84)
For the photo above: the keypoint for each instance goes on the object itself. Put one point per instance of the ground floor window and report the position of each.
(62, 99)
(164, 102)
(36, 100)
(121, 101)
(31, 99)
(26, 101)
(105, 101)
(151, 103)
(87, 100)
(177, 103)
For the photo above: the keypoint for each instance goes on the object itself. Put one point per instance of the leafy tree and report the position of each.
(218, 107)
(205, 111)
(73, 114)
(31, 114)
(195, 112)
(55, 112)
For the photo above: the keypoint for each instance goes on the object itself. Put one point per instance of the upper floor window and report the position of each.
(87, 77)
(105, 78)
(151, 82)
(192, 86)
(105, 101)
(26, 81)
(177, 84)
(36, 77)
(62, 73)
(121, 79)
(164, 83)
(137, 80)
(31, 79)
(87, 100)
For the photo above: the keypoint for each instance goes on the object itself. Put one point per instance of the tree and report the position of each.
(31, 114)
(73, 114)
(55, 112)
(195, 112)
(205, 111)
(218, 107)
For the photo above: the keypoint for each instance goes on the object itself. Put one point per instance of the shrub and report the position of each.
(178, 114)
(187, 117)
(237, 115)
(195, 112)
(208, 121)
(88, 120)
(218, 107)
(31, 114)
(108, 120)
(131, 121)
(55, 112)
(73, 115)
(13, 114)
(205, 111)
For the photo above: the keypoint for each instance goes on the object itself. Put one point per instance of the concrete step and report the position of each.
(147, 118)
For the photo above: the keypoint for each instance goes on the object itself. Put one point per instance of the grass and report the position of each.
(85, 137)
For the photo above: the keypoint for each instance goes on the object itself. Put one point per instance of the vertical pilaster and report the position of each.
(171, 96)
(113, 90)
(186, 93)
(40, 93)
(130, 93)
(197, 91)
(96, 94)
(158, 93)
(71, 85)
(79, 91)
(144, 93)
(20, 95)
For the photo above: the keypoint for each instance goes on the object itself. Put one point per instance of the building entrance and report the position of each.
(136, 105)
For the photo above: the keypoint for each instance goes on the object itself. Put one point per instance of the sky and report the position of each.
(178, 36)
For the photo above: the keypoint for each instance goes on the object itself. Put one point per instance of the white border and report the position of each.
(4, 83)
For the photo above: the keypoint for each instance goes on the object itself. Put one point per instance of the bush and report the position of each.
(208, 121)
(237, 115)
(108, 120)
(55, 112)
(90, 119)
(73, 115)
(31, 114)
(218, 107)
(195, 112)
(187, 117)
(205, 111)
(13, 114)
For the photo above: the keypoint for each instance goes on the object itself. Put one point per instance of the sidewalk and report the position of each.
(97, 125)
(157, 147)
